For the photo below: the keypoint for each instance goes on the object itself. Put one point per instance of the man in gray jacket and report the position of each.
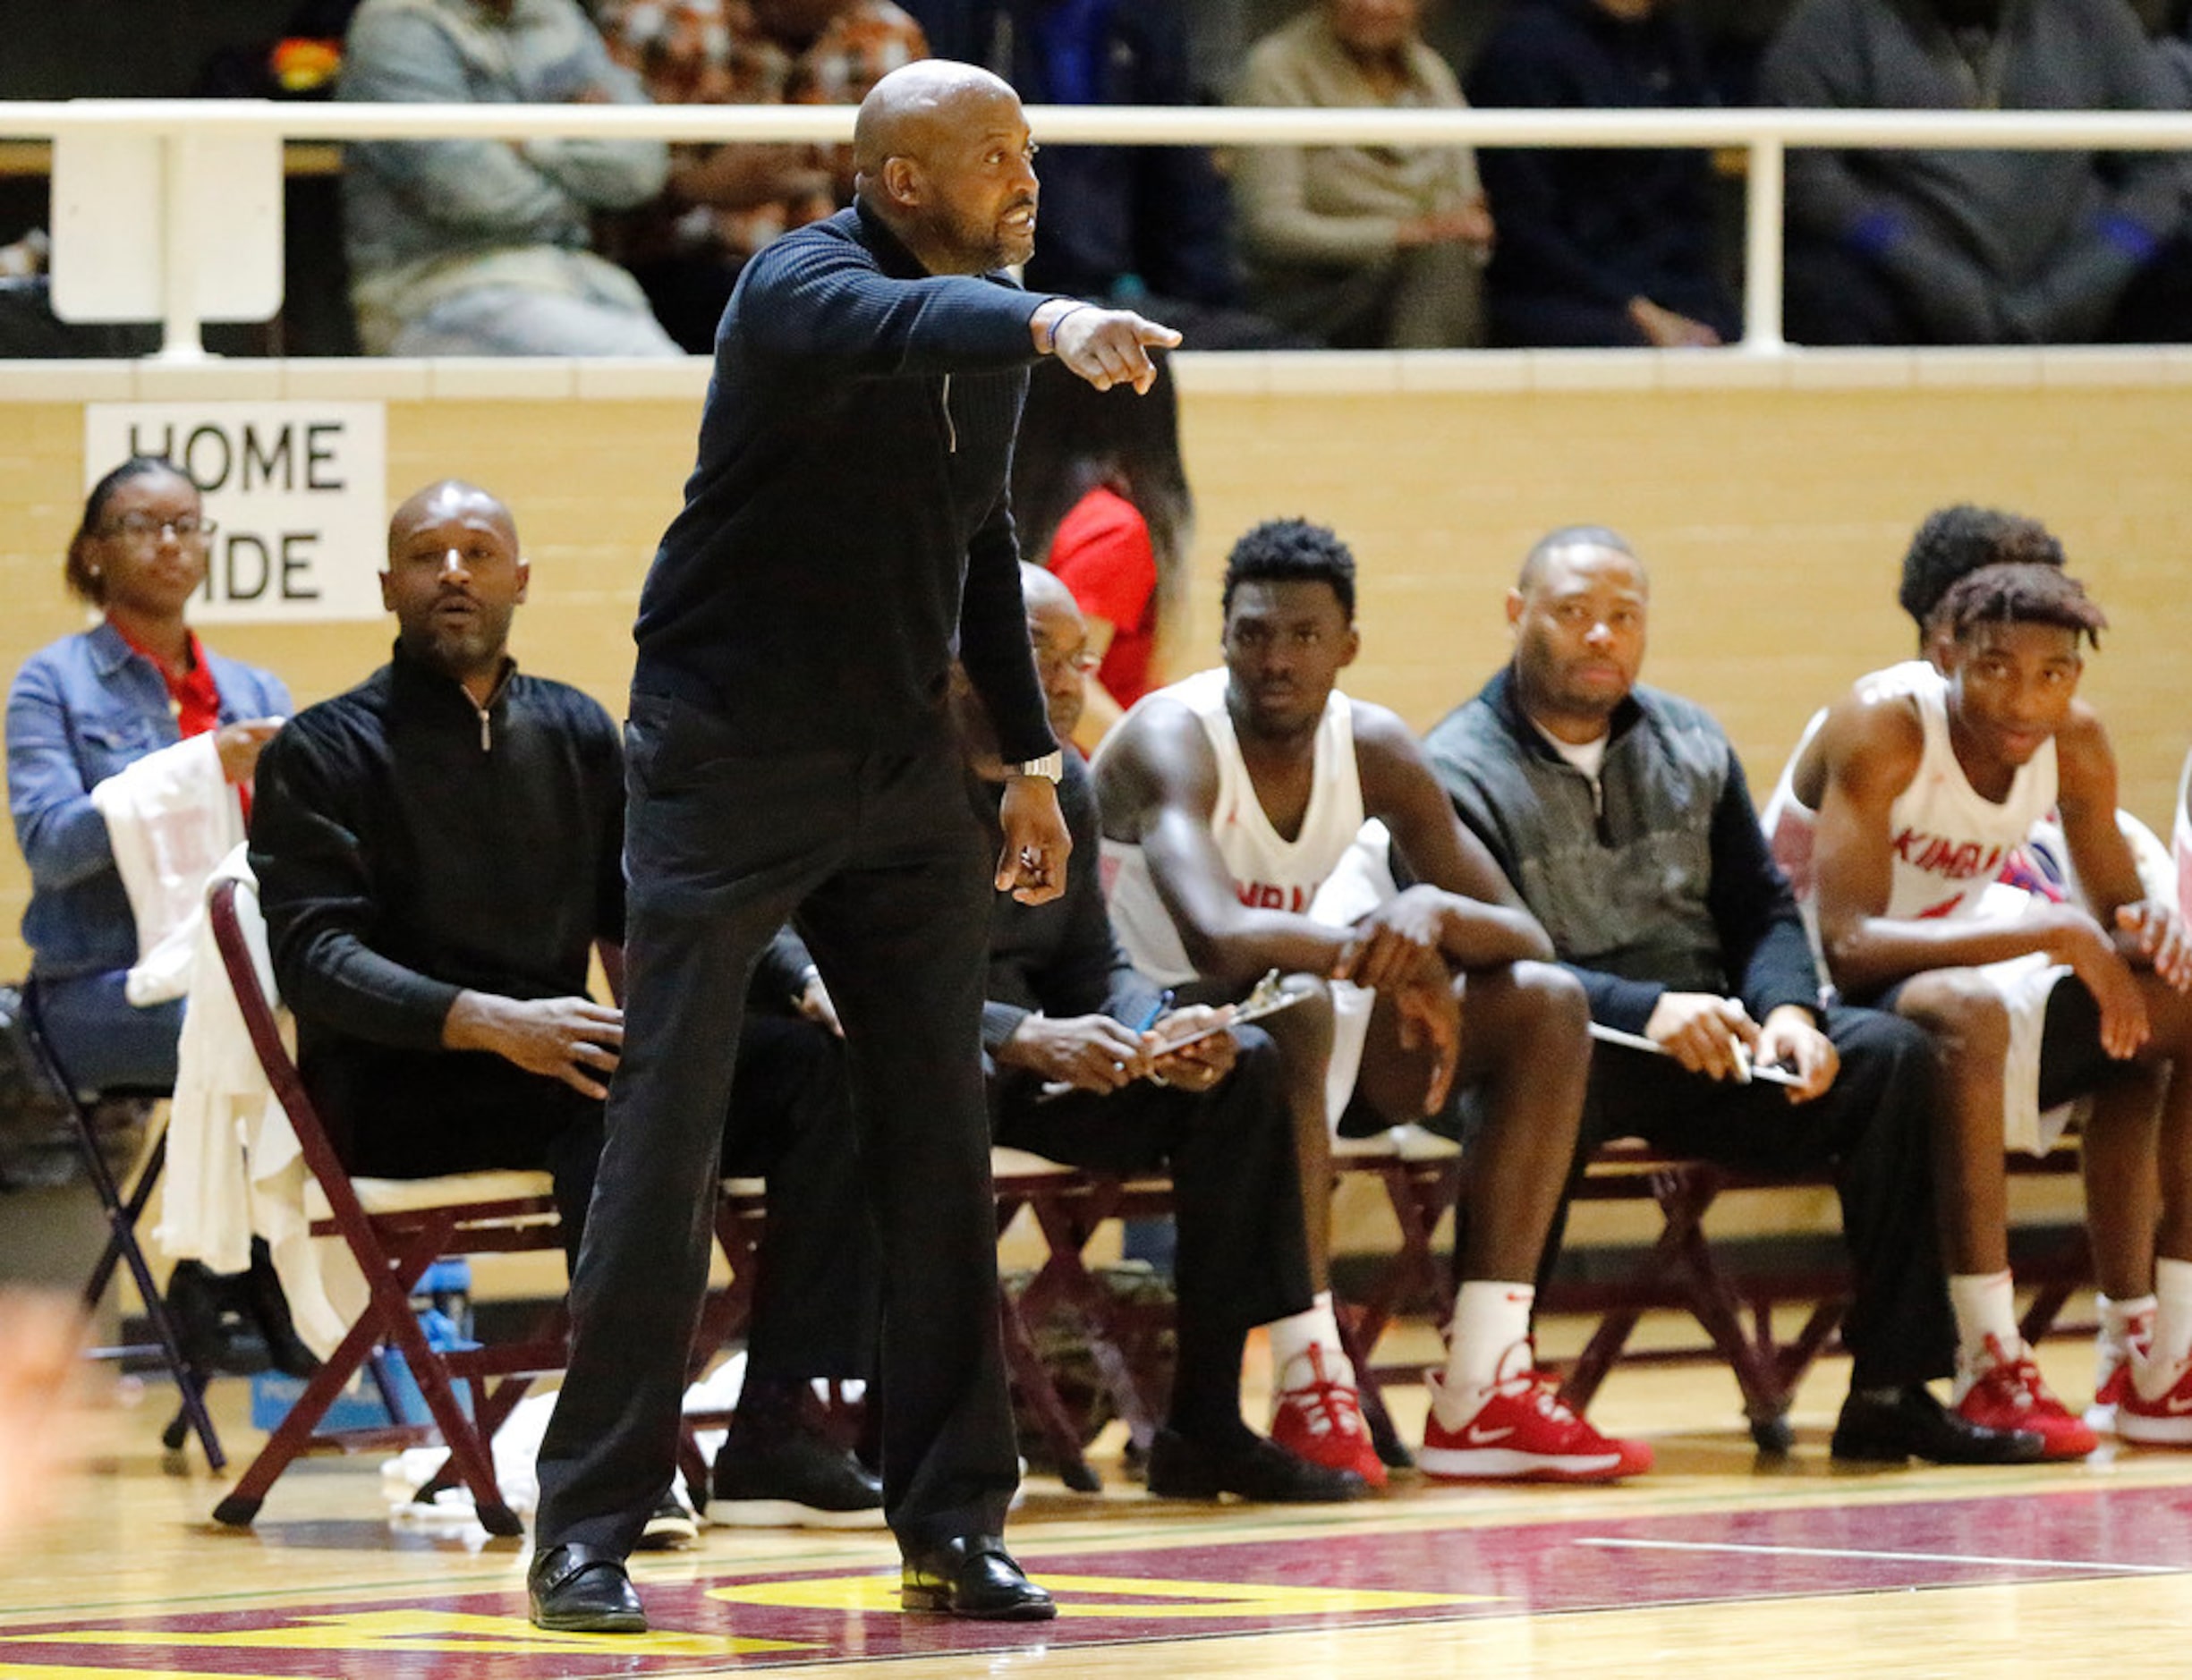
(1911, 247)
(478, 247)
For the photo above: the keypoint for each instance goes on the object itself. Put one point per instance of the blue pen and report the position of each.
(1157, 1010)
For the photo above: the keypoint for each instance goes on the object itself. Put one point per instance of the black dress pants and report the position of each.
(419, 1114)
(879, 863)
(1870, 1128)
(1243, 1259)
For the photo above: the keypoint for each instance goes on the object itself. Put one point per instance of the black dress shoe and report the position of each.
(1181, 1467)
(973, 1576)
(1876, 1429)
(583, 1589)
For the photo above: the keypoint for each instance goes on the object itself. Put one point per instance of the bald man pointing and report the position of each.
(790, 753)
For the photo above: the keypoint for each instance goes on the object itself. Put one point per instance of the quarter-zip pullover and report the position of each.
(410, 844)
(847, 529)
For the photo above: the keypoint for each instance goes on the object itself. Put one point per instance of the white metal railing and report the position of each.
(1764, 135)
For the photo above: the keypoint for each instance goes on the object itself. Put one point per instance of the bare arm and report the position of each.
(1871, 751)
(1482, 922)
(1157, 785)
(2147, 933)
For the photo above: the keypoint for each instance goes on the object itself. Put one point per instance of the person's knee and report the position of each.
(1961, 1012)
(1551, 1005)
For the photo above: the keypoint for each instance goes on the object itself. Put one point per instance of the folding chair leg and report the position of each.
(294, 1432)
(1028, 1374)
(468, 1452)
(1384, 1435)
(189, 1383)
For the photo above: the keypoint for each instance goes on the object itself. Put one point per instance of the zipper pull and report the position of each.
(486, 731)
(951, 432)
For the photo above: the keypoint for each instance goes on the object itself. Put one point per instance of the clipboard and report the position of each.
(1266, 997)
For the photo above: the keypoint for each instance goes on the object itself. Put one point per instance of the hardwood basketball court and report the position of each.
(1720, 1563)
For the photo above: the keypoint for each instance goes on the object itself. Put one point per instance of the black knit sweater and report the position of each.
(847, 529)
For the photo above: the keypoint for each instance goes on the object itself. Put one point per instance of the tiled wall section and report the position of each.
(1773, 507)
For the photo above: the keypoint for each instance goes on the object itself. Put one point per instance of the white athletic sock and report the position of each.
(2124, 1324)
(2127, 1329)
(1986, 1306)
(1293, 1337)
(1490, 1318)
(2172, 1314)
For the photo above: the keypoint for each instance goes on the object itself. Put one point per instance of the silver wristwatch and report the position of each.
(1050, 767)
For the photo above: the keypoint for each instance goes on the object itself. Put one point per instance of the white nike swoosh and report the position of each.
(1485, 1437)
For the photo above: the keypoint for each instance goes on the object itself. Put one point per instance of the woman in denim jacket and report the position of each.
(81, 710)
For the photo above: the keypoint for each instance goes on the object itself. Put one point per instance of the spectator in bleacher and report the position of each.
(1601, 247)
(1101, 497)
(1075, 1051)
(439, 851)
(137, 692)
(1914, 789)
(1621, 815)
(482, 247)
(1230, 801)
(724, 203)
(1363, 247)
(1906, 246)
(1144, 228)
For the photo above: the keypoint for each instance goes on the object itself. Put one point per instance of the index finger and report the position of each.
(1738, 1021)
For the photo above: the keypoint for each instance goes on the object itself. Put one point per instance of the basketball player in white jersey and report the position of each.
(1924, 781)
(1227, 801)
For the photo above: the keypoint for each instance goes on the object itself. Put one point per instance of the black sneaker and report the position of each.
(1875, 1430)
(792, 1480)
(1248, 1465)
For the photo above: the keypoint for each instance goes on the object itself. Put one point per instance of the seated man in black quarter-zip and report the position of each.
(439, 851)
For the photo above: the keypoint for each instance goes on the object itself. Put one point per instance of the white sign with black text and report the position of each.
(298, 489)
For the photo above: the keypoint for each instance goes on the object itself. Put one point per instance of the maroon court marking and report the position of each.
(1545, 1568)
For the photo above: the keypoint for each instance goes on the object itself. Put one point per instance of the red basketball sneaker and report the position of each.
(1323, 1421)
(2007, 1393)
(1522, 1431)
(2164, 1420)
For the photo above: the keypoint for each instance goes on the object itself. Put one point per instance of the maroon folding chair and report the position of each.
(394, 1229)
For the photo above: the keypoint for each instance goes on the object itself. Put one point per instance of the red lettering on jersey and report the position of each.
(1266, 896)
(1943, 908)
(1953, 860)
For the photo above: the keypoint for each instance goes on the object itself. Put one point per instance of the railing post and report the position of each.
(181, 340)
(1762, 249)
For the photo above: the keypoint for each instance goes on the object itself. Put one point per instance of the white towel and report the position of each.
(1361, 882)
(171, 816)
(234, 1167)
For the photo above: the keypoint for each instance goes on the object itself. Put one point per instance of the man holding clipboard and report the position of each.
(1088, 1065)
(1621, 815)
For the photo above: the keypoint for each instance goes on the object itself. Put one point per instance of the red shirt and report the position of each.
(192, 695)
(1103, 556)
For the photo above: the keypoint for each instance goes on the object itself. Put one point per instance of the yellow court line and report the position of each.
(1083, 1597)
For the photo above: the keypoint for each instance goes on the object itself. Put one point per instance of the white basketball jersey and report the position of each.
(1269, 873)
(1950, 841)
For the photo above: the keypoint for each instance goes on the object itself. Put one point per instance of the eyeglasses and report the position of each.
(151, 527)
(1049, 662)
